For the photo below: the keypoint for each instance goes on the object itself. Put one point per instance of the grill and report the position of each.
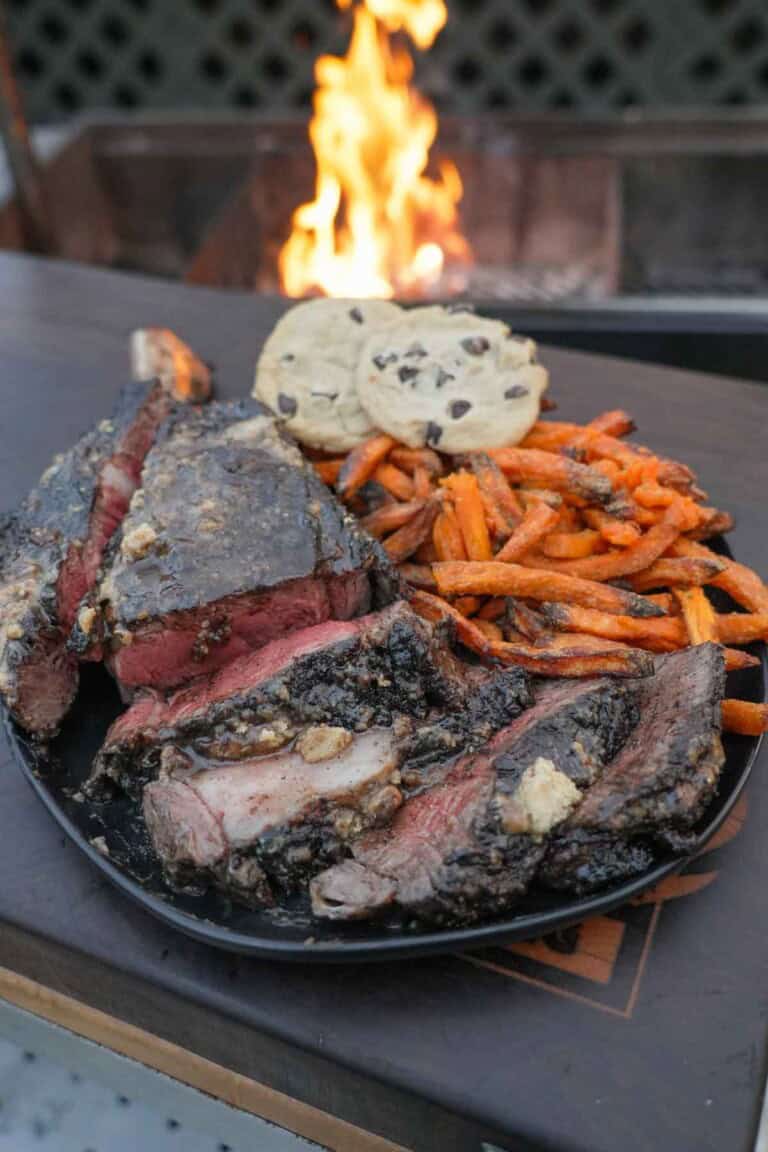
(589, 55)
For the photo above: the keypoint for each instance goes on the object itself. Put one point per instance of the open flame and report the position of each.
(378, 225)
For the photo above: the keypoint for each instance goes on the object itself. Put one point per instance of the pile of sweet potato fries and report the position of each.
(572, 554)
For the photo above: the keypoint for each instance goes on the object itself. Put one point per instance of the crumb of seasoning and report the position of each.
(138, 541)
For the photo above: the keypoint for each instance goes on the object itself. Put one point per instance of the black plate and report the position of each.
(57, 774)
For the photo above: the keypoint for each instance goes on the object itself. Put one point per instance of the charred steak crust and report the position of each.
(657, 788)
(51, 550)
(233, 542)
(355, 674)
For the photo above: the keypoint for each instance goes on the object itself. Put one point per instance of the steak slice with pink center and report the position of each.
(235, 542)
(51, 551)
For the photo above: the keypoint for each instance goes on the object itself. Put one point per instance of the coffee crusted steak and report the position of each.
(51, 550)
(467, 845)
(657, 787)
(233, 541)
(353, 674)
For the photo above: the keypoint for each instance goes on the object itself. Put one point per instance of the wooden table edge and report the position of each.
(187, 1067)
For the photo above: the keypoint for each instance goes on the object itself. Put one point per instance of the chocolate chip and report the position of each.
(416, 352)
(287, 357)
(443, 377)
(327, 395)
(434, 432)
(456, 309)
(407, 373)
(459, 408)
(515, 391)
(475, 345)
(382, 359)
(356, 315)
(287, 404)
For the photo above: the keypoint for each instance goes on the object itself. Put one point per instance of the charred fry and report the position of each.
(403, 543)
(677, 573)
(664, 635)
(390, 517)
(553, 472)
(741, 583)
(575, 656)
(419, 575)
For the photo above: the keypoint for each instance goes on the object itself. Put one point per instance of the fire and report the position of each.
(378, 225)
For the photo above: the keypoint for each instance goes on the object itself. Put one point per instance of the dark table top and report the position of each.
(645, 1031)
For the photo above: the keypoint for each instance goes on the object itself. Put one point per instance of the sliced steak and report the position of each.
(51, 550)
(260, 824)
(354, 674)
(657, 787)
(233, 542)
(469, 843)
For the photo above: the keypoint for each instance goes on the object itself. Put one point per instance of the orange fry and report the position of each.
(403, 543)
(552, 471)
(737, 661)
(530, 496)
(390, 517)
(712, 522)
(571, 545)
(495, 579)
(635, 558)
(467, 605)
(551, 435)
(409, 459)
(575, 656)
(470, 514)
(699, 615)
(614, 423)
(395, 481)
(489, 629)
(741, 583)
(680, 573)
(744, 717)
(328, 470)
(492, 609)
(422, 482)
(447, 537)
(660, 635)
(742, 627)
(538, 520)
(361, 463)
(501, 504)
(620, 533)
(435, 609)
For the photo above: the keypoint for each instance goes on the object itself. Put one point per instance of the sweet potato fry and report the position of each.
(744, 717)
(741, 583)
(409, 459)
(698, 614)
(422, 482)
(530, 496)
(403, 543)
(613, 423)
(418, 575)
(737, 661)
(495, 579)
(620, 533)
(489, 629)
(712, 522)
(467, 605)
(435, 609)
(362, 462)
(328, 470)
(530, 624)
(553, 472)
(676, 573)
(742, 627)
(394, 480)
(666, 601)
(447, 537)
(551, 435)
(470, 514)
(571, 545)
(501, 504)
(492, 609)
(425, 553)
(635, 558)
(661, 635)
(390, 517)
(575, 656)
(538, 520)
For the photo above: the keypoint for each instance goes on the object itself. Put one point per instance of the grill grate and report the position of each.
(528, 55)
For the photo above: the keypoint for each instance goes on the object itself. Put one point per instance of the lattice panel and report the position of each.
(528, 55)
